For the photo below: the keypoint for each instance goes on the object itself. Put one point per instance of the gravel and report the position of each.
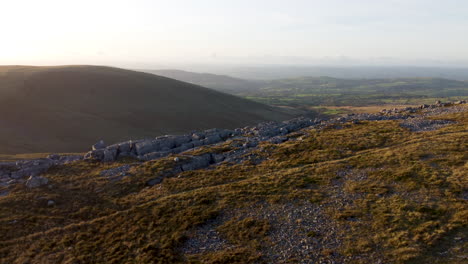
(418, 124)
(302, 232)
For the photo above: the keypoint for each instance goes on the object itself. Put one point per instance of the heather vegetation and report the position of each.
(358, 192)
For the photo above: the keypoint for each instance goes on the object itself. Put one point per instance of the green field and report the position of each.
(326, 91)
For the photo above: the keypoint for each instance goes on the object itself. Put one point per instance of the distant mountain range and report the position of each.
(272, 72)
(65, 109)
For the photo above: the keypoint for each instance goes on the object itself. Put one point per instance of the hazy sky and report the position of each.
(209, 31)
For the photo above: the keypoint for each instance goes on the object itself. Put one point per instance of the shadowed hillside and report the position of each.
(65, 109)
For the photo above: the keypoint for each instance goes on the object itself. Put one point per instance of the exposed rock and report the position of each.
(146, 146)
(109, 155)
(31, 168)
(154, 155)
(50, 203)
(196, 143)
(97, 154)
(420, 124)
(124, 148)
(250, 144)
(99, 145)
(211, 139)
(180, 140)
(36, 181)
(68, 159)
(198, 136)
(218, 157)
(53, 157)
(118, 171)
(274, 132)
(154, 181)
(197, 162)
(278, 140)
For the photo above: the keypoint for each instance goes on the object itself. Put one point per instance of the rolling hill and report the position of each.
(67, 108)
(329, 91)
(222, 83)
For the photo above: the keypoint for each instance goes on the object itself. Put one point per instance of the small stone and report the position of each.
(176, 159)
(50, 203)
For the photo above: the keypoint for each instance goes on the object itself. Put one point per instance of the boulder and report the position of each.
(118, 171)
(154, 155)
(226, 133)
(197, 143)
(250, 144)
(109, 155)
(53, 157)
(212, 139)
(186, 146)
(154, 181)
(146, 146)
(197, 162)
(278, 140)
(123, 148)
(69, 159)
(95, 155)
(212, 131)
(36, 181)
(217, 158)
(32, 168)
(180, 140)
(198, 136)
(99, 145)
(165, 142)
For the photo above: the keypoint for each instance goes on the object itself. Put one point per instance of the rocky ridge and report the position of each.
(244, 140)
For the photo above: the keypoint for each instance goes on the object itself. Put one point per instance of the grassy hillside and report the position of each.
(65, 109)
(362, 192)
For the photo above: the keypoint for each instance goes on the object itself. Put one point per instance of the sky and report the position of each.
(141, 33)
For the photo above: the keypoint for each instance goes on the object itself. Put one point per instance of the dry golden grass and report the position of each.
(406, 209)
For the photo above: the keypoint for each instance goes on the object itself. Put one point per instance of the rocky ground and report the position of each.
(299, 232)
(245, 140)
(310, 188)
